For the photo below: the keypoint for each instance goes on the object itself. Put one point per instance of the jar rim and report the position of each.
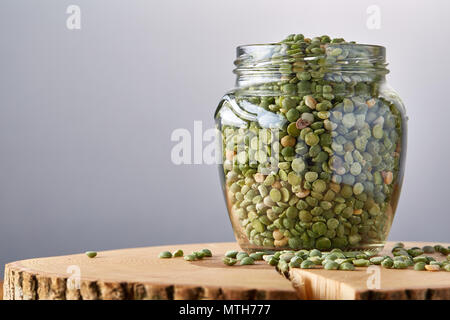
(273, 44)
(271, 62)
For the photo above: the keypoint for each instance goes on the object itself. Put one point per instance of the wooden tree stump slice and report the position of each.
(140, 274)
(405, 284)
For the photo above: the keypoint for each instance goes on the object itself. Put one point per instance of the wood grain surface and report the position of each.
(374, 282)
(139, 274)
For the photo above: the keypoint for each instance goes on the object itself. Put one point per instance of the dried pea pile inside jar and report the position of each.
(336, 152)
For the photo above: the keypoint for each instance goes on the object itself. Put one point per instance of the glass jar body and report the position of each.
(319, 166)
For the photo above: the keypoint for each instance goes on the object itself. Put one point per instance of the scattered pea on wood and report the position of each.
(91, 254)
(206, 252)
(199, 254)
(231, 254)
(229, 261)
(178, 253)
(190, 257)
(420, 266)
(361, 263)
(241, 255)
(331, 265)
(307, 264)
(347, 266)
(247, 261)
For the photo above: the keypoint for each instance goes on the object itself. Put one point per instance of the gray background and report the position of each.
(86, 116)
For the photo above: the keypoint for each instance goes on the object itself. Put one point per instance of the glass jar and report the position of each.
(314, 145)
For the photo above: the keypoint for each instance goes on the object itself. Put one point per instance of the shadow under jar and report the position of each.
(313, 147)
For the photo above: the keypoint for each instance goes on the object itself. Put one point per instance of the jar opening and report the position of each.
(337, 62)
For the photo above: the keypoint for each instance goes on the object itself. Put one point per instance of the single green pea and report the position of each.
(315, 253)
(257, 256)
(349, 120)
(292, 130)
(93, 254)
(362, 255)
(347, 191)
(420, 259)
(298, 165)
(343, 260)
(387, 263)
(295, 262)
(319, 228)
(399, 264)
(316, 260)
(241, 255)
(206, 252)
(400, 252)
(347, 266)
(331, 265)
(288, 88)
(229, 261)
(351, 254)
(286, 256)
(165, 255)
(283, 266)
(247, 261)
(292, 212)
(304, 76)
(178, 253)
(323, 243)
(294, 242)
(199, 255)
(376, 260)
(307, 264)
(289, 103)
(419, 266)
(269, 180)
(292, 115)
(311, 139)
(231, 254)
(267, 257)
(294, 179)
(361, 263)
(401, 257)
(311, 176)
(333, 256)
(443, 250)
(190, 257)
(277, 254)
(428, 249)
(370, 254)
(415, 252)
(275, 195)
(273, 261)
(303, 253)
(319, 186)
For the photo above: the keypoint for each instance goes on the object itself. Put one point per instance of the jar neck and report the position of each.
(264, 67)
